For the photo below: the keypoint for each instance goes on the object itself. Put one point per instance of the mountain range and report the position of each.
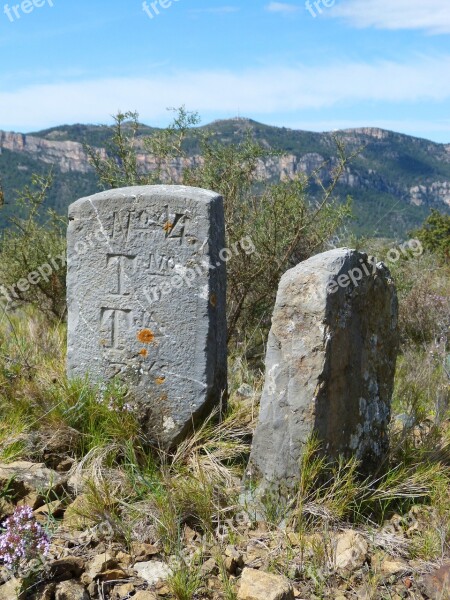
(394, 179)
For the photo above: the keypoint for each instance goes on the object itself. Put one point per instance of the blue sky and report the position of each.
(378, 63)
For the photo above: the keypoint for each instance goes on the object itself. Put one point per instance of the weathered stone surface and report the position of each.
(256, 585)
(123, 591)
(152, 571)
(329, 367)
(436, 585)
(145, 595)
(66, 568)
(387, 565)
(30, 482)
(71, 590)
(142, 552)
(146, 298)
(11, 590)
(351, 551)
(99, 564)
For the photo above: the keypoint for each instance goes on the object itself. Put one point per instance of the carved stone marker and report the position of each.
(146, 300)
(329, 367)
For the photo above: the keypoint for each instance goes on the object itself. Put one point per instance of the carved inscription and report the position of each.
(175, 226)
(172, 224)
(145, 220)
(158, 264)
(121, 225)
(123, 265)
(114, 321)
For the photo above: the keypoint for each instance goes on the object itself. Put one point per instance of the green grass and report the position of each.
(130, 490)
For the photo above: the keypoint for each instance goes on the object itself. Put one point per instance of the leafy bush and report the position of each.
(435, 234)
(33, 254)
(281, 226)
(424, 299)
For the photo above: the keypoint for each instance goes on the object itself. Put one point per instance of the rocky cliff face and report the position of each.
(390, 171)
(435, 193)
(68, 156)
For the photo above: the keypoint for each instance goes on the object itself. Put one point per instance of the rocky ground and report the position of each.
(244, 558)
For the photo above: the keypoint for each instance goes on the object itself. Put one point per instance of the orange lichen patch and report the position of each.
(213, 300)
(160, 380)
(144, 352)
(146, 336)
(168, 226)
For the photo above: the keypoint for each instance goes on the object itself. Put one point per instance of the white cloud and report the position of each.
(260, 93)
(282, 7)
(432, 16)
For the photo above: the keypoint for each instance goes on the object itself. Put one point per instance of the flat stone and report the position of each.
(256, 585)
(71, 590)
(30, 481)
(145, 595)
(351, 551)
(437, 584)
(53, 509)
(124, 559)
(66, 568)
(388, 565)
(146, 301)
(330, 366)
(99, 564)
(11, 589)
(113, 575)
(123, 591)
(209, 567)
(152, 571)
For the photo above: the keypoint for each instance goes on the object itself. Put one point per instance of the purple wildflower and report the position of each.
(23, 540)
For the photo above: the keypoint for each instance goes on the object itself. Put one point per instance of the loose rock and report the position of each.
(437, 584)
(71, 590)
(256, 585)
(152, 571)
(351, 551)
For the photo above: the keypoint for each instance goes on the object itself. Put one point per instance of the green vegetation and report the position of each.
(131, 488)
(388, 166)
(131, 492)
(17, 171)
(33, 253)
(277, 218)
(435, 234)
